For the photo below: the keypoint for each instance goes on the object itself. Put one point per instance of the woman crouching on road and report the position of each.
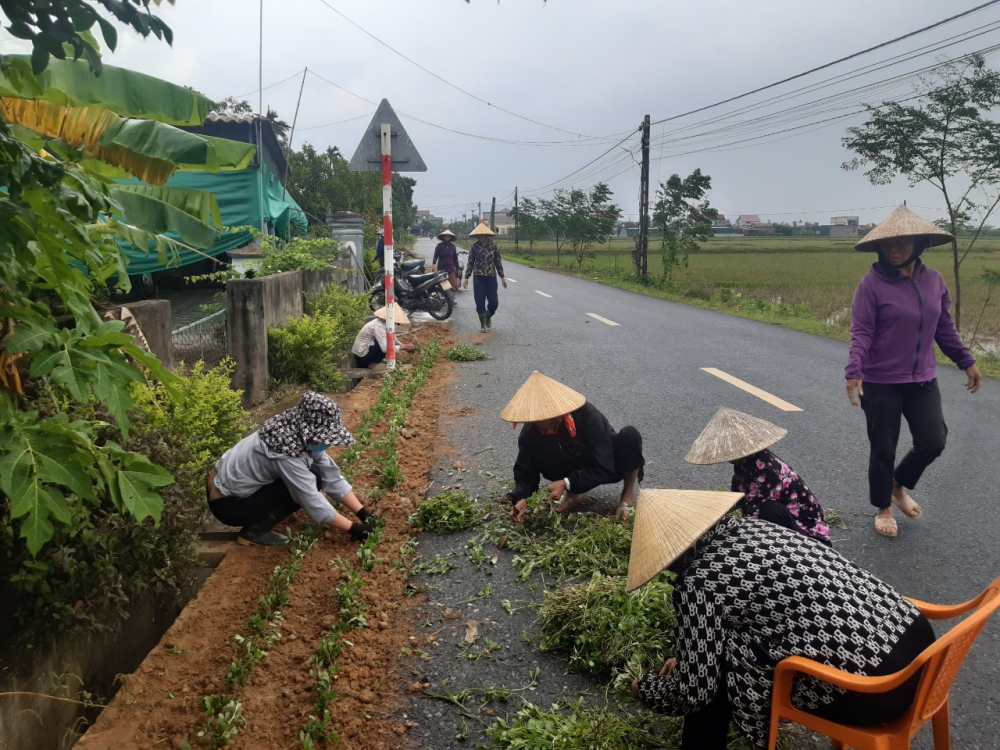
(485, 263)
(771, 490)
(282, 467)
(750, 593)
(901, 309)
(370, 344)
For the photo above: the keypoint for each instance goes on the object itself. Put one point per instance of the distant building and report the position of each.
(721, 221)
(760, 229)
(743, 221)
(844, 226)
(503, 222)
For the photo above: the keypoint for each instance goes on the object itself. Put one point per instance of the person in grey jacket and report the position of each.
(283, 467)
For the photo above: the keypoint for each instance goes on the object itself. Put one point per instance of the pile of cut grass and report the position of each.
(608, 632)
(466, 353)
(575, 727)
(569, 546)
(447, 513)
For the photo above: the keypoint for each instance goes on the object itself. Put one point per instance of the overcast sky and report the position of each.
(590, 69)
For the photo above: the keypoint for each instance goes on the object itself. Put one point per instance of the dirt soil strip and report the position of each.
(159, 706)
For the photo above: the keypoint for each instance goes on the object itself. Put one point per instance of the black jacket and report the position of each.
(587, 460)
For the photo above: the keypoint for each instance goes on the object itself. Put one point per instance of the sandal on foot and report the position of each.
(908, 506)
(886, 527)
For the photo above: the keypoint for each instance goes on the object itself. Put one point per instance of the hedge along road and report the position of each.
(647, 371)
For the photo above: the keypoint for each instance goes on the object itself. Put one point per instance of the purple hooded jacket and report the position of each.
(894, 324)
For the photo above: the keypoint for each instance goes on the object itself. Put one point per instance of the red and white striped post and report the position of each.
(389, 257)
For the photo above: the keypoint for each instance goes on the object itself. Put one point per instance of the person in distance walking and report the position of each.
(771, 490)
(569, 442)
(282, 467)
(901, 309)
(485, 263)
(446, 259)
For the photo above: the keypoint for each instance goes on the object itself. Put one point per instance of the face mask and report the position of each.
(319, 447)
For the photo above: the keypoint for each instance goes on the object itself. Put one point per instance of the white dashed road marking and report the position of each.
(752, 389)
(510, 279)
(543, 294)
(595, 316)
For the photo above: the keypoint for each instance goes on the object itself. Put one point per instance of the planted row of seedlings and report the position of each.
(224, 713)
(395, 397)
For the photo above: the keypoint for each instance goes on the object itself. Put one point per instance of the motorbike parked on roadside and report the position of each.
(415, 290)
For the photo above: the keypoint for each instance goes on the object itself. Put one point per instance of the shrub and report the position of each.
(607, 631)
(307, 350)
(447, 513)
(208, 423)
(303, 351)
(300, 253)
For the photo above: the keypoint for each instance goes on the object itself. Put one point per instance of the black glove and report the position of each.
(360, 531)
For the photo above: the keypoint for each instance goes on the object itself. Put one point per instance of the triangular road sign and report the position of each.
(368, 157)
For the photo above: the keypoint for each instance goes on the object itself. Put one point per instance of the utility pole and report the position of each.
(642, 244)
(493, 214)
(291, 136)
(517, 217)
(480, 214)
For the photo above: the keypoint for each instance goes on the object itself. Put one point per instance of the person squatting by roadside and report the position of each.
(570, 443)
(901, 309)
(369, 346)
(283, 467)
(446, 259)
(771, 490)
(485, 263)
(749, 593)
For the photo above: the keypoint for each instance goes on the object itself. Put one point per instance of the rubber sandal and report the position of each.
(908, 506)
(886, 527)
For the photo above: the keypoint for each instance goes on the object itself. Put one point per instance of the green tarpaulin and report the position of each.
(238, 196)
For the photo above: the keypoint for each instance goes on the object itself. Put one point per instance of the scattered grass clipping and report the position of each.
(466, 353)
(608, 632)
(447, 513)
(575, 727)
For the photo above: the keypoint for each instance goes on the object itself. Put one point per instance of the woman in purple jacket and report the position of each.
(901, 309)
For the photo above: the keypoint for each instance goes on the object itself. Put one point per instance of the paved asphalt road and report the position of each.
(646, 371)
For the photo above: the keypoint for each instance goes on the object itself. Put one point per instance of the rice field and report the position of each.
(804, 277)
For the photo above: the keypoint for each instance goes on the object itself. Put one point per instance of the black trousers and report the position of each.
(885, 406)
(708, 728)
(627, 443)
(374, 355)
(268, 506)
(484, 289)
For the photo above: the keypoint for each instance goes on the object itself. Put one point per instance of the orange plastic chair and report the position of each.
(940, 663)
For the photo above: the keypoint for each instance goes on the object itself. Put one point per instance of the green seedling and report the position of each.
(223, 720)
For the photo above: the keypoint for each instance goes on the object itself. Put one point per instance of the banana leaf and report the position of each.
(200, 204)
(155, 213)
(148, 149)
(124, 92)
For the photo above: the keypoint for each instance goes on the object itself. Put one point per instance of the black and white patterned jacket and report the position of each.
(752, 594)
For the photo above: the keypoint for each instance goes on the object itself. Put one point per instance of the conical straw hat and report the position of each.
(903, 223)
(667, 523)
(540, 398)
(482, 229)
(399, 317)
(444, 232)
(732, 434)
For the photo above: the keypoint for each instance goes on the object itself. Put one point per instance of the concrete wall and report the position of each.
(254, 305)
(153, 317)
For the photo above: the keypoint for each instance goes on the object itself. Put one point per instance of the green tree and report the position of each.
(590, 219)
(530, 223)
(404, 211)
(233, 106)
(555, 214)
(684, 217)
(946, 140)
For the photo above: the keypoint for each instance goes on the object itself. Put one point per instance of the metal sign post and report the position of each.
(376, 153)
(389, 255)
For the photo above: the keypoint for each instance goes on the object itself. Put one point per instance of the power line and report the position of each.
(831, 64)
(339, 122)
(270, 86)
(449, 83)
